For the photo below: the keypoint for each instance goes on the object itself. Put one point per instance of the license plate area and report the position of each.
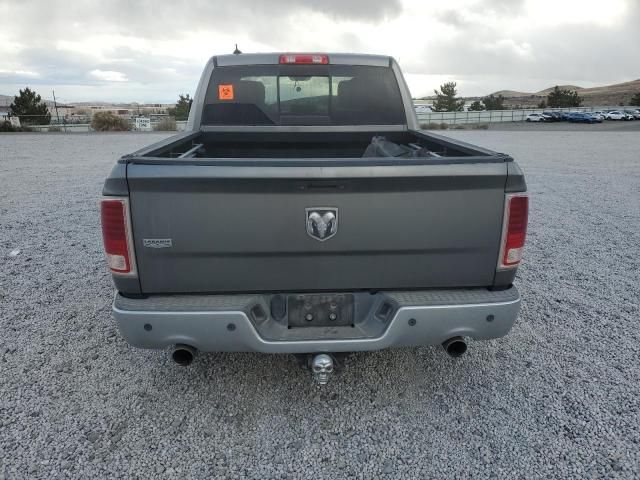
(320, 310)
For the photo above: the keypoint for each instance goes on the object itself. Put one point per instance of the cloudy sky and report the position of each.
(150, 50)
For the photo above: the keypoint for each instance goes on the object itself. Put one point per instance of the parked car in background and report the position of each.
(580, 117)
(553, 116)
(616, 115)
(634, 113)
(536, 117)
(595, 116)
(422, 108)
(564, 116)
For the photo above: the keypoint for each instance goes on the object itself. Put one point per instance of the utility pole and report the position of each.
(55, 104)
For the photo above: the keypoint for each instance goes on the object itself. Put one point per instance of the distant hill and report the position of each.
(6, 100)
(510, 93)
(546, 91)
(541, 93)
(607, 95)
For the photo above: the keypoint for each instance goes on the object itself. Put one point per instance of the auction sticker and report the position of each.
(225, 92)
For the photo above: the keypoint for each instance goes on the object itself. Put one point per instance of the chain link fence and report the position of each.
(71, 125)
(499, 116)
(167, 123)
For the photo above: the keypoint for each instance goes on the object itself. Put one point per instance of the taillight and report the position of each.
(514, 230)
(314, 58)
(116, 235)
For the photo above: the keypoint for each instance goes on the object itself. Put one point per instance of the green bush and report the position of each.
(108, 122)
(166, 124)
(434, 126)
(6, 126)
(459, 126)
(470, 126)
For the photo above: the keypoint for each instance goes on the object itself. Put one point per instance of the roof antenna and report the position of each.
(236, 51)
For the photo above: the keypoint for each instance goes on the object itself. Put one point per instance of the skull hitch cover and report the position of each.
(321, 368)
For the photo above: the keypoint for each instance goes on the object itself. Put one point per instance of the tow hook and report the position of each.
(321, 368)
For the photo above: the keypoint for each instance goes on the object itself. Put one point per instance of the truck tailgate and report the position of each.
(212, 228)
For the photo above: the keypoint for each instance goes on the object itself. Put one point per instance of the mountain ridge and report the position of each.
(592, 96)
(604, 95)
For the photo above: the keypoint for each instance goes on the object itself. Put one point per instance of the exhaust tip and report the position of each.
(455, 346)
(183, 355)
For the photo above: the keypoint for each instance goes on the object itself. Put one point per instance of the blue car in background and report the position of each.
(578, 117)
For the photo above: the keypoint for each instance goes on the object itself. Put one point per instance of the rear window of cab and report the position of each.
(303, 95)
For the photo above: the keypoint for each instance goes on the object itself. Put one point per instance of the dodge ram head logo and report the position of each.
(322, 222)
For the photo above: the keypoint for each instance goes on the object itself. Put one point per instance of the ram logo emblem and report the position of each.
(322, 222)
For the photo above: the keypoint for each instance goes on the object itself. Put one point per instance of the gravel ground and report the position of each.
(606, 126)
(558, 397)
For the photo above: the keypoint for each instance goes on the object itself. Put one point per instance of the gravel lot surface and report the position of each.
(558, 397)
(606, 126)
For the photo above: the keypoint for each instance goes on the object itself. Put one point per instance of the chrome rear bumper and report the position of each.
(224, 323)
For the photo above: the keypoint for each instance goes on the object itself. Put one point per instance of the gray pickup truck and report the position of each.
(303, 211)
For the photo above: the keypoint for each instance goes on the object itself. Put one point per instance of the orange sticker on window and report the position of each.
(225, 92)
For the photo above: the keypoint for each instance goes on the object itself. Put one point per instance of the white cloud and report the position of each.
(108, 75)
(18, 73)
(566, 12)
(152, 55)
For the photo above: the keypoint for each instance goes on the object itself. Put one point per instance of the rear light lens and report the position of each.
(514, 230)
(314, 58)
(117, 237)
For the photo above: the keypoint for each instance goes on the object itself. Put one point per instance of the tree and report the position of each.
(635, 100)
(561, 98)
(30, 108)
(493, 103)
(542, 104)
(446, 100)
(476, 106)
(182, 108)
